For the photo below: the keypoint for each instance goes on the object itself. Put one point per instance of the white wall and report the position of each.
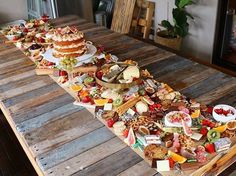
(11, 10)
(199, 43)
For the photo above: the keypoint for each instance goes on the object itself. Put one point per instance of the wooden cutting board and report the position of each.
(122, 16)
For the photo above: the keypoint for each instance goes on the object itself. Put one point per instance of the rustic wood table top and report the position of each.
(62, 139)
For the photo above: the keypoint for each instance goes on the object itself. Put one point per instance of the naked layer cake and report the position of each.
(68, 41)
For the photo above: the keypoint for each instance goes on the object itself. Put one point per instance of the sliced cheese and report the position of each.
(131, 72)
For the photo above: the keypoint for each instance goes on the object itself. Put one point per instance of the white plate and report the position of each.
(222, 118)
(169, 124)
(85, 58)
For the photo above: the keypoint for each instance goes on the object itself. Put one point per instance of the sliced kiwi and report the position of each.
(118, 102)
(213, 135)
(88, 80)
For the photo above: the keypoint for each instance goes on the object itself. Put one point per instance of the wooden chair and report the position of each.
(142, 24)
(127, 17)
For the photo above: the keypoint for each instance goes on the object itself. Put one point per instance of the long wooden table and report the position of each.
(62, 139)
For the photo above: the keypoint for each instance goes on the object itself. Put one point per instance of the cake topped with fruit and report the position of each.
(68, 41)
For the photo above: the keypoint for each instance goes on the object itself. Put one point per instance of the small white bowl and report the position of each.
(222, 118)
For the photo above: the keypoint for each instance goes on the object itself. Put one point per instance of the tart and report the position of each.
(154, 151)
(231, 125)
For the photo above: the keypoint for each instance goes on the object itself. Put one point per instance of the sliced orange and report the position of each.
(83, 93)
(168, 88)
(177, 158)
(221, 128)
(76, 87)
(196, 113)
(101, 102)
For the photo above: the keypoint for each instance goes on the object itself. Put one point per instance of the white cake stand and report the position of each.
(85, 58)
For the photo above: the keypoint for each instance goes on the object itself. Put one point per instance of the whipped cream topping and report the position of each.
(67, 37)
(83, 43)
(73, 52)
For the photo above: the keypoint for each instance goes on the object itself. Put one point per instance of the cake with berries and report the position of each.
(68, 41)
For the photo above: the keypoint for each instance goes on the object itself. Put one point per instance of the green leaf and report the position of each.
(177, 3)
(184, 3)
(179, 16)
(166, 24)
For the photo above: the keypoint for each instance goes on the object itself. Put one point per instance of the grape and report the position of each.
(68, 63)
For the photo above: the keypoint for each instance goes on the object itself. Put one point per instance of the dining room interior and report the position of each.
(118, 87)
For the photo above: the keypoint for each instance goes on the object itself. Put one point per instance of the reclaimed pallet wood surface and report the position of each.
(60, 138)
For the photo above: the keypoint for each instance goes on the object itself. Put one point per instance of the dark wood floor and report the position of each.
(14, 162)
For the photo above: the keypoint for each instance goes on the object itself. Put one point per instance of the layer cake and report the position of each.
(68, 41)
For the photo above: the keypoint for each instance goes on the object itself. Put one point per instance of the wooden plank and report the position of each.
(113, 164)
(181, 73)
(13, 62)
(218, 92)
(87, 158)
(128, 46)
(20, 83)
(41, 109)
(61, 138)
(148, 18)
(140, 169)
(122, 10)
(63, 19)
(16, 77)
(73, 148)
(230, 99)
(62, 131)
(8, 51)
(136, 51)
(33, 93)
(167, 65)
(206, 85)
(36, 101)
(161, 55)
(11, 55)
(26, 88)
(191, 80)
(108, 38)
(43, 119)
(17, 71)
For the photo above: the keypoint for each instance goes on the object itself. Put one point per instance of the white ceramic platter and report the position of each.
(85, 58)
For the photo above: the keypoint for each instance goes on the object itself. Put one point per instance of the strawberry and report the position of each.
(171, 162)
(203, 131)
(219, 111)
(110, 123)
(86, 99)
(41, 40)
(226, 112)
(92, 102)
(62, 73)
(50, 63)
(210, 109)
(15, 38)
(25, 30)
(110, 101)
(211, 125)
(205, 122)
(210, 147)
(125, 133)
(99, 74)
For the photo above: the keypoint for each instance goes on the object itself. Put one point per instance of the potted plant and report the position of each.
(173, 34)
